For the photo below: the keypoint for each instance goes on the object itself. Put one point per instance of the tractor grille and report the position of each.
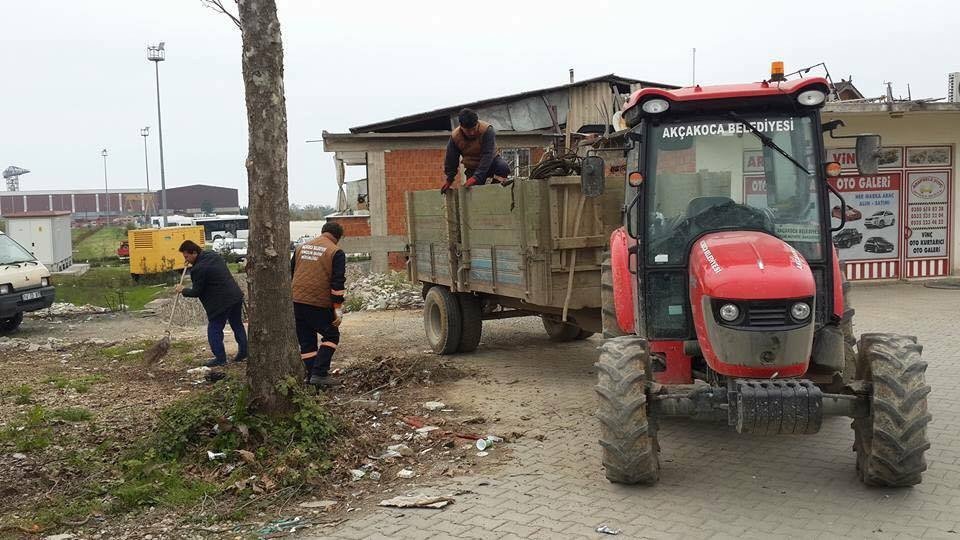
(763, 314)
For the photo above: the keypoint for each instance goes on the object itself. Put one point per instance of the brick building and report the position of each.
(406, 153)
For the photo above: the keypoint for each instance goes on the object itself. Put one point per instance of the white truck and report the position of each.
(24, 284)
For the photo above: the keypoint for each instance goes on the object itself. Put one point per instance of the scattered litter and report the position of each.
(405, 473)
(278, 528)
(414, 421)
(357, 473)
(434, 405)
(427, 429)
(483, 454)
(603, 529)
(389, 454)
(135, 351)
(216, 455)
(64, 536)
(487, 442)
(401, 449)
(202, 370)
(418, 501)
(374, 475)
(318, 504)
(20, 457)
(367, 404)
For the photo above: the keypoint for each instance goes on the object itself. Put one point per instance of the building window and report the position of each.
(518, 159)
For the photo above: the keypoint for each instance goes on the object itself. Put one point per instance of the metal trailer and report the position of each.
(534, 248)
(155, 251)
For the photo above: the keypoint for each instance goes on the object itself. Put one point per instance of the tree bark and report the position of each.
(274, 355)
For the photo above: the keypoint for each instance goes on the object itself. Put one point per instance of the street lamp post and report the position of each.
(157, 54)
(145, 132)
(106, 188)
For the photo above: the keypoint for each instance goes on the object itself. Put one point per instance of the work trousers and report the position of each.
(215, 325)
(311, 321)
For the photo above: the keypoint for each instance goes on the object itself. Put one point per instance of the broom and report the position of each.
(162, 347)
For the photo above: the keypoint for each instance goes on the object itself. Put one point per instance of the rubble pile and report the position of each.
(64, 309)
(371, 292)
(50, 344)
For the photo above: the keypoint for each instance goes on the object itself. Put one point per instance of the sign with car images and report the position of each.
(872, 212)
(927, 214)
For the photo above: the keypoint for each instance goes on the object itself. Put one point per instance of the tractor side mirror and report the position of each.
(868, 153)
(591, 176)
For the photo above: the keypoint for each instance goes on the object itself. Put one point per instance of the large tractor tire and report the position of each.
(628, 438)
(558, 330)
(608, 313)
(442, 320)
(890, 443)
(471, 316)
(11, 324)
(849, 338)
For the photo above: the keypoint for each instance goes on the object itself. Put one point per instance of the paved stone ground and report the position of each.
(714, 483)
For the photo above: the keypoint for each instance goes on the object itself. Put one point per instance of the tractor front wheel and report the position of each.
(891, 441)
(628, 438)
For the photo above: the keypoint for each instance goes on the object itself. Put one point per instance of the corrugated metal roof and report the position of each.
(447, 111)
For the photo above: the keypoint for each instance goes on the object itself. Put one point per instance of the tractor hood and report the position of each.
(748, 265)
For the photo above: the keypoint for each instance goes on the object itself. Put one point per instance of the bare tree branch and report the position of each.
(217, 5)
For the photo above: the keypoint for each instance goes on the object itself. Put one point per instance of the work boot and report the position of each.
(323, 381)
(240, 357)
(214, 362)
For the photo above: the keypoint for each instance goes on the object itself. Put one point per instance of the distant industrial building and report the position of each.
(88, 204)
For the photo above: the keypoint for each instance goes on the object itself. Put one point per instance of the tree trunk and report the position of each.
(274, 355)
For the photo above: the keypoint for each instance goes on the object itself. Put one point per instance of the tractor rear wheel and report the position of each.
(608, 312)
(628, 438)
(558, 330)
(442, 320)
(890, 443)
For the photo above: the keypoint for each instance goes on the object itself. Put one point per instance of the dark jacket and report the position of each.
(213, 284)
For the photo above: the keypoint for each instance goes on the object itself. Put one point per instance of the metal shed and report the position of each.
(46, 235)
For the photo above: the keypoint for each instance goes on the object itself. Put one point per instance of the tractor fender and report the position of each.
(624, 286)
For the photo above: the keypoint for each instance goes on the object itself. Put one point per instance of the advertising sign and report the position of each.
(927, 217)
(872, 216)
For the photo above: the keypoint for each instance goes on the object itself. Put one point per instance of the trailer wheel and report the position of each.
(558, 330)
(441, 320)
(471, 315)
(890, 443)
(608, 313)
(628, 438)
(10, 324)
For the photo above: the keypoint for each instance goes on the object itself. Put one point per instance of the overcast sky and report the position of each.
(75, 78)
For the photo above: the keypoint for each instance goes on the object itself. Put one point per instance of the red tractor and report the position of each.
(723, 296)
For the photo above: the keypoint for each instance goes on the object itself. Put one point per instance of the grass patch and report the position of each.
(72, 414)
(109, 286)
(29, 432)
(101, 245)
(80, 384)
(22, 394)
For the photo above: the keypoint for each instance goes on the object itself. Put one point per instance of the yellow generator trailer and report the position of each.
(155, 251)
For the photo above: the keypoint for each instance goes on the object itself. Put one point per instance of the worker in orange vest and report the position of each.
(319, 270)
(475, 143)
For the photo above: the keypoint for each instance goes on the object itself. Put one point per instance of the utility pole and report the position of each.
(145, 132)
(157, 54)
(106, 188)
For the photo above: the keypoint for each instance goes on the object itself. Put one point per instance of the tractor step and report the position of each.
(770, 406)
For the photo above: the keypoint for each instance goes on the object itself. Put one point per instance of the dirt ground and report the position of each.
(93, 364)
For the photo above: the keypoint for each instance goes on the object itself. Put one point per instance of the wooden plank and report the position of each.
(579, 242)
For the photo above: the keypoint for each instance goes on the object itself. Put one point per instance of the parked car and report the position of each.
(847, 238)
(24, 284)
(881, 219)
(875, 244)
(852, 213)
(231, 246)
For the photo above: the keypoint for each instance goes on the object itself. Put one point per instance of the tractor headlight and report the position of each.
(800, 311)
(811, 97)
(729, 312)
(655, 106)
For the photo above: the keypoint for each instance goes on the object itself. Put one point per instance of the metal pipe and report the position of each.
(163, 176)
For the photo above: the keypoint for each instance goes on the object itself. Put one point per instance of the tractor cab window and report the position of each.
(717, 174)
